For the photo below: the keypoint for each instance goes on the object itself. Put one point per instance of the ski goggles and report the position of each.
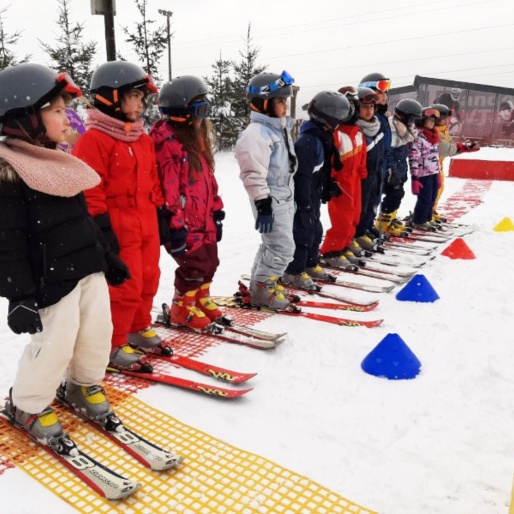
(65, 82)
(431, 113)
(382, 85)
(285, 79)
(369, 98)
(200, 109)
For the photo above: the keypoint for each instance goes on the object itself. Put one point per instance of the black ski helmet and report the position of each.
(444, 110)
(264, 86)
(367, 96)
(111, 79)
(176, 96)
(350, 93)
(329, 108)
(25, 89)
(408, 110)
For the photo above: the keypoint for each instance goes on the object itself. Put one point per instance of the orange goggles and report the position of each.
(67, 84)
(382, 85)
(150, 84)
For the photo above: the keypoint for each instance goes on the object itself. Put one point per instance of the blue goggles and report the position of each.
(285, 79)
(200, 109)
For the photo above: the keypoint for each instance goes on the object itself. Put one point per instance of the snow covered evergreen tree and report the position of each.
(71, 54)
(7, 41)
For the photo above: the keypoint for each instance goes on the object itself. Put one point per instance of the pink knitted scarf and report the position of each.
(53, 172)
(117, 129)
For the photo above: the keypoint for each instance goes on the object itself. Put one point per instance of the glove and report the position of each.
(334, 189)
(416, 185)
(104, 222)
(219, 216)
(439, 180)
(163, 220)
(176, 246)
(23, 316)
(469, 146)
(264, 221)
(117, 271)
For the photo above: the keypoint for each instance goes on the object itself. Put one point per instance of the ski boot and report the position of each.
(351, 257)
(148, 341)
(184, 312)
(363, 246)
(44, 426)
(206, 304)
(300, 281)
(126, 357)
(266, 294)
(88, 400)
(338, 261)
(317, 272)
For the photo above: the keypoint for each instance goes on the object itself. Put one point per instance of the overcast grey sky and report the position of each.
(324, 44)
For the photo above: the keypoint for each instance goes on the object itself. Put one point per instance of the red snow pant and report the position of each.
(138, 234)
(344, 212)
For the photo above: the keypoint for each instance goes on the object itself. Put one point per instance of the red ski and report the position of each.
(335, 320)
(191, 385)
(217, 372)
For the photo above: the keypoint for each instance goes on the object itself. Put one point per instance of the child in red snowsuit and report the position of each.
(345, 210)
(186, 169)
(127, 204)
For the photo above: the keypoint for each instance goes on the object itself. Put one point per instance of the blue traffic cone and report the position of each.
(392, 359)
(418, 289)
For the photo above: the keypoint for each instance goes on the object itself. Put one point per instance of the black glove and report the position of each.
(24, 316)
(264, 221)
(219, 216)
(117, 271)
(176, 246)
(334, 189)
(104, 222)
(163, 219)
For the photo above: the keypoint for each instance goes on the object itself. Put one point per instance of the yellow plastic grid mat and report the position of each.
(214, 478)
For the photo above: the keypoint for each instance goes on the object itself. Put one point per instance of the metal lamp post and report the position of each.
(168, 15)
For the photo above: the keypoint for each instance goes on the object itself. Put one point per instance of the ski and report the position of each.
(100, 478)
(395, 261)
(228, 323)
(191, 385)
(403, 273)
(147, 453)
(221, 301)
(354, 285)
(219, 332)
(379, 276)
(210, 370)
(332, 296)
(239, 301)
(410, 248)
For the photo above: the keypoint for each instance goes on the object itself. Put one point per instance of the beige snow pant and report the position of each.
(75, 342)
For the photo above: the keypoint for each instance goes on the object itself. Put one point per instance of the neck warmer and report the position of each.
(405, 134)
(121, 130)
(369, 128)
(432, 135)
(52, 172)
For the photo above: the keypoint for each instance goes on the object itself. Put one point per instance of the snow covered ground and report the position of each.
(439, 444)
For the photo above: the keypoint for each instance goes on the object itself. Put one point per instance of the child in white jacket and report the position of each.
(267, 161)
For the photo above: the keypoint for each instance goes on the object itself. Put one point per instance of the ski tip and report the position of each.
(128, 488)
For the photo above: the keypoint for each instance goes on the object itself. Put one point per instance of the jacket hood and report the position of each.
(160, 131)
(276, 123)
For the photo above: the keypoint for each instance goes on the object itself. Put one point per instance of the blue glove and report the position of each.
(219, 216)
(176, 246)
(264, 221)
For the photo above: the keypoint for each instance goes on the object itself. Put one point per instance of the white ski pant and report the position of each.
(75, 342)
(277, 248)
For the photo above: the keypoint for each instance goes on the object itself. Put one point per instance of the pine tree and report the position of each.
(7, 57)
(221, 93)
(244, 70)
(71, 54)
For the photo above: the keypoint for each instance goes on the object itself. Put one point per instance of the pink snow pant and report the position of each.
(75, 342)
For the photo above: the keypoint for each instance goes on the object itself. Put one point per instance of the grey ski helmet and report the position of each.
(112, 78)
(444, 110)
(265, 86)
(329, 108)
(376, 81)
(26, 88)
(408, 110)
(178, 99)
